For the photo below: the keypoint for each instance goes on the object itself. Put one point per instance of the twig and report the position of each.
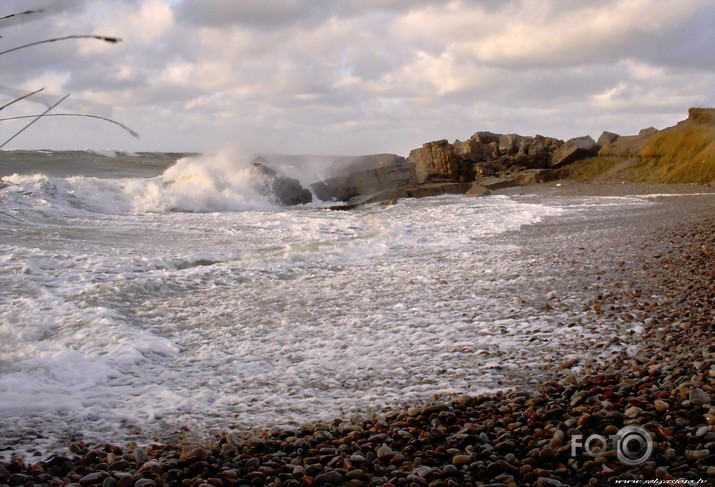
(27, 12)
(34, 120)
(111, 40)
(21, 98)
(76, 115)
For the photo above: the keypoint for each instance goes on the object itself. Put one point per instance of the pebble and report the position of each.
(510, 438)
(140, 455)
(458, 460)
(633, 412)
(331, 477)
(385, 452)
(661, 405)
(699, 397)
(696, 454)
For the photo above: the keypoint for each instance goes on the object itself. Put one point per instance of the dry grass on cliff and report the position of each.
(681, 154)
(591, 169)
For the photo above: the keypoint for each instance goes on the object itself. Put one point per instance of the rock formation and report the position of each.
(440, 160)
(574, 150)
(489, 161)
(484, 154)
(606, 138)
(283, 190)
(366, 175)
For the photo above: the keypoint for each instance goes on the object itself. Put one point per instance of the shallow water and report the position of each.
(136, 306)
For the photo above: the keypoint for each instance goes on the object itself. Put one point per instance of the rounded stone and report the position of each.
(660, 405)
(699, 397)
(458, 460)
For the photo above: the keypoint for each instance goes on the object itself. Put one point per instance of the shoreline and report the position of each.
(570, 187)
(470, 440)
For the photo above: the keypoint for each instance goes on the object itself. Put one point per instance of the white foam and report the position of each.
(220, 182)
(151, 321)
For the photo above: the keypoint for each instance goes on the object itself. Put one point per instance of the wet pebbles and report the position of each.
(532, 436)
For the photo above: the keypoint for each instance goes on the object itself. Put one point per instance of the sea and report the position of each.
(155, 296)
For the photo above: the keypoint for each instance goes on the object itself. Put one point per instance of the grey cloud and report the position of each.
(350, 76)
(253, 13)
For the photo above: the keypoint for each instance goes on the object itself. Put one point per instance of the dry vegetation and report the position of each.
(681, 154)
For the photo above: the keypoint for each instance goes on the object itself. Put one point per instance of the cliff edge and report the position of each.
(684, 153)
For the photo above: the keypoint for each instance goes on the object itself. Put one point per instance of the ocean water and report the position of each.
(141, 297)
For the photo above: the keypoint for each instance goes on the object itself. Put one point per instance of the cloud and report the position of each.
(256, 14)
(352, 76)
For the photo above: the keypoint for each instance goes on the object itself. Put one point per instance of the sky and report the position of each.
(349, 77)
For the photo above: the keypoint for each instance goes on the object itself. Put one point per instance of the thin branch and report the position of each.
(111, 40)
(21, 98)
(27, 12)
(76, 115)
(36, 118)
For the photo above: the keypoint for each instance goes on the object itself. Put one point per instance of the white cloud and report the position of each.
(354, 76)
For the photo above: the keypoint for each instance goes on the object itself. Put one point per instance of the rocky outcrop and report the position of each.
(533, 176)
(484, 154)
(495, 183)
(574, 150)
(702, 116)
(490, 161)
(440, 160)
(283, 190)
(477, 190)
(607, 138)
(647, 131)
(365, 175)
(418, 191)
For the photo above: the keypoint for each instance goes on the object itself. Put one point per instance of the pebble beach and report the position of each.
(655, 267)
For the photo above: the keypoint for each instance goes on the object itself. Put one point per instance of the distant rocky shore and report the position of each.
(488, 161)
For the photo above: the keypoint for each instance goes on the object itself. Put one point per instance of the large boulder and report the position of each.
(476, 150)
(509, 143)
(365, 175)
(607, 138)
(439, 160)
(438, 189)
(574, 150)
(477, 190)
(533, 176)
(536, 152)
(418, 191)
(283, 190)
(647, 132)
(486, 138)
(495, 183)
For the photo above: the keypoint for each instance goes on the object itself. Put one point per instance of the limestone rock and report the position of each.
(607, 138)
(574, 150)
(366, 175)
(477, 190)
(495, 183)
(283, 190)
(474, 150)
(438, 189)
(533, 176)
(536, 152)
(648, 131)
(418, 191)
(509, 144)
(486, 138)
(440, 160)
